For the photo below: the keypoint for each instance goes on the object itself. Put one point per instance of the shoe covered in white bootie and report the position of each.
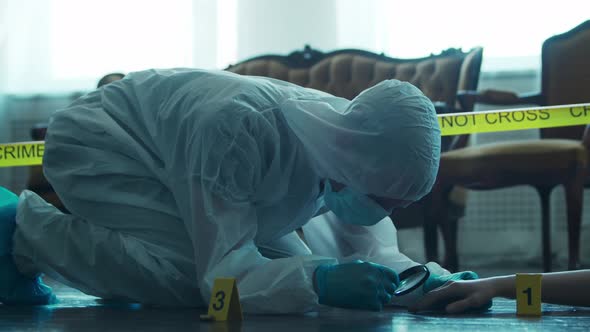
(16, 288)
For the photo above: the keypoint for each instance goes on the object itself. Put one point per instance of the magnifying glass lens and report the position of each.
(411, 279)
(410, 282)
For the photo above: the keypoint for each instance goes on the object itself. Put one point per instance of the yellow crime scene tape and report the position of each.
(31, 153)
(21, 154)
(514, 119)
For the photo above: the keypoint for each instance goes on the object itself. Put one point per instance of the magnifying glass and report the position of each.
(411, 279)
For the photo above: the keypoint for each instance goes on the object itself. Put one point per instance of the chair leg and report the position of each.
(449, 232)
(438, 216)
(430, 240)
(545, 194)
(430, 235)
(574, 196)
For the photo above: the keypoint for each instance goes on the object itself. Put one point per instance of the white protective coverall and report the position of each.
(177, 177)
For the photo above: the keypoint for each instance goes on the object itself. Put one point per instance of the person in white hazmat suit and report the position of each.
(177, 177)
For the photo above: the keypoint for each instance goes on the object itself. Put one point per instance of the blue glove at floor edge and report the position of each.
(16, 288)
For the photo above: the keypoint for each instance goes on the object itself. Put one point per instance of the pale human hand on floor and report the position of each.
(458, 296)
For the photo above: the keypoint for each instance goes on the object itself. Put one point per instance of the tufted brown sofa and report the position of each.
(346, 73)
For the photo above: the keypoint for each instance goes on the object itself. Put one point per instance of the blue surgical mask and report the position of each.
(353, 208)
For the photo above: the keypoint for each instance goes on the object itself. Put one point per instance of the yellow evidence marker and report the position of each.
(528, 294)
(225, 301)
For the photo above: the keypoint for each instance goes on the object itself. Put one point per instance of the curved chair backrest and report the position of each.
(566, 75)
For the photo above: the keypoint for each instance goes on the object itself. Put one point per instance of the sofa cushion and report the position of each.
(511, 163)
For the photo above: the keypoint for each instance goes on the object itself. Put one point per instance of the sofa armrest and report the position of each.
(451, 142)
(39, 131)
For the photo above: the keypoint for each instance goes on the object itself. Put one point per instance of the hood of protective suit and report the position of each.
(384, 142)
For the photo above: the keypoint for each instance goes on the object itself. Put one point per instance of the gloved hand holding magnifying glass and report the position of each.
(355, 285)
(370, 286)
(365, 285)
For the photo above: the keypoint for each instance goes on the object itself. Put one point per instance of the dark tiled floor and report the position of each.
(79, 312)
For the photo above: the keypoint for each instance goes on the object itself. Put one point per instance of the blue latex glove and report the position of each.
(434, 281)
(8, 203)
(16, 288)
(355, 285)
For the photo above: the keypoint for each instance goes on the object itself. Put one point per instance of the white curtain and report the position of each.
(53, 46)
(511, 32)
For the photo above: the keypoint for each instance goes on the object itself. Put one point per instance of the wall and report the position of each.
(19, 115)
(265, 26)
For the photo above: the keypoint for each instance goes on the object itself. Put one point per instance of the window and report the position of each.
(511, 32)
(91, 38)
(49, 46)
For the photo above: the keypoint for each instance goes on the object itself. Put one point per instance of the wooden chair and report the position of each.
(558, 158)
(345, 73)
